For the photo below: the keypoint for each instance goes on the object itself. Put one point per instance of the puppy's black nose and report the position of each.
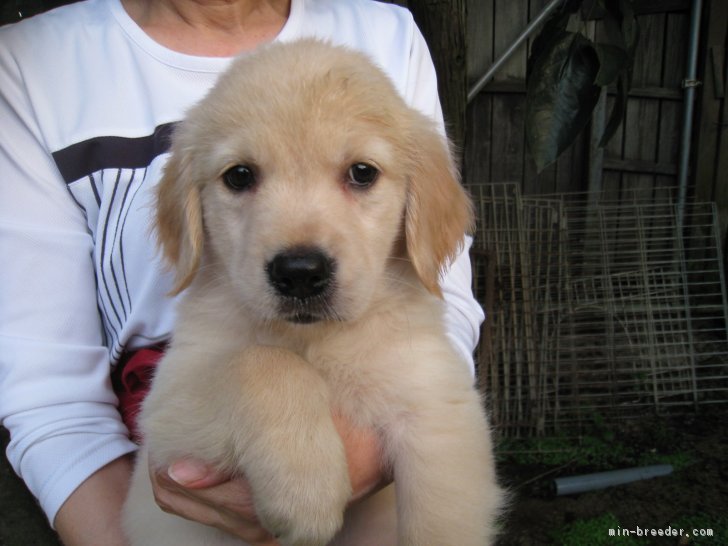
(300, 272)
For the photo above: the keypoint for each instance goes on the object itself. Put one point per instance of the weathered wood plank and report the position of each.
(614, 149)
(643, 115)
(442, 22)
(710, 182)
(676, 51)
(477, 160)
(668, 144)
(641, 7)
(535, 183)
(479, 38)
(510, 20)
(507, 141)
(639, 166)
(611, 185)
(673, 93)
(574, 179)
(641, 140)
(649, 55)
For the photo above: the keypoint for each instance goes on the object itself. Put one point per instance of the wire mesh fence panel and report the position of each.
(596, 309)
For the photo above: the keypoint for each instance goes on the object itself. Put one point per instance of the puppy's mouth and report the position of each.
(304, 318)
(309, 310)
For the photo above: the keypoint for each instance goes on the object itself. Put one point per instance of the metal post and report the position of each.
(530, 29)
(689, 84)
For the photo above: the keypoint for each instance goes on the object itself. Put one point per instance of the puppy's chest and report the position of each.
(365, 377)
(361, 383)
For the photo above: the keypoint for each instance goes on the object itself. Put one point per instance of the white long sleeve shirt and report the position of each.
(87, 103)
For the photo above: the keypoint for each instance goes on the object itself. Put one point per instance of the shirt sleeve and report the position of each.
(463, 314)
(55, 394)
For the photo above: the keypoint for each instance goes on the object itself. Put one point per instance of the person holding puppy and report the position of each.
(89, 95)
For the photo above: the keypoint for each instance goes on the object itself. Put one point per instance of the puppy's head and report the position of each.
(298, 178)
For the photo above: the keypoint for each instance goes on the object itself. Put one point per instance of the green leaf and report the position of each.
(612, 61)
(622, 32)
(618, 110)
(630, 27)
(613, 23)
(561, 95)
(621, 25)
(552, 29)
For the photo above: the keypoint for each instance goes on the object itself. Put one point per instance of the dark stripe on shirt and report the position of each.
(95, 188)
(123, 225)
(102, 257)
(112, 152)
(113, 245)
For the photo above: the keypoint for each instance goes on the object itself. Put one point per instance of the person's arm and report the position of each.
(55, 395)
(463, 314)
(90, 516)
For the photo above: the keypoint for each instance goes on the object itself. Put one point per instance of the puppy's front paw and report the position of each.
(307, 507)
(287, 446)
(306, 521)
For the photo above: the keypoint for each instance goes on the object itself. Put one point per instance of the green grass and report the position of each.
(718, 526)
(594, 532)
(601, 450)
(593, 451)
(679, 461)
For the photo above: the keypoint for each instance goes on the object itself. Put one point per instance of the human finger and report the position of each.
(227, 506)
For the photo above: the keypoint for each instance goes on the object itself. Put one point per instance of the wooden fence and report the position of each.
(642, 154)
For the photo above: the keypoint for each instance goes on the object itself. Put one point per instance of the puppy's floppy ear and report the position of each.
(179, 219)
(438, 211)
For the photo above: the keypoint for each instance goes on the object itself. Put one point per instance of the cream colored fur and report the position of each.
(252, 392)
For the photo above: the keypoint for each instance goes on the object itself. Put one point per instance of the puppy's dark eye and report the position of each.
(239, 178)
(363, 175)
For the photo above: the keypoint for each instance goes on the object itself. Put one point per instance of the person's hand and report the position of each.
(196, 491)
(367, 470)
(193, 490)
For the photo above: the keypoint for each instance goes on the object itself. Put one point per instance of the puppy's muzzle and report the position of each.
(303, 278)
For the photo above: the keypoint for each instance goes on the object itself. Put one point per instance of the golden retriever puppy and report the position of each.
(309, 213)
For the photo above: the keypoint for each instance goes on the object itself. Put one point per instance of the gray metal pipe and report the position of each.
(689, 84)
(590, 482)
(530, 29)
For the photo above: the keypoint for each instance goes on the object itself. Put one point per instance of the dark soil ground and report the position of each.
(21, 521)
(694, 496)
